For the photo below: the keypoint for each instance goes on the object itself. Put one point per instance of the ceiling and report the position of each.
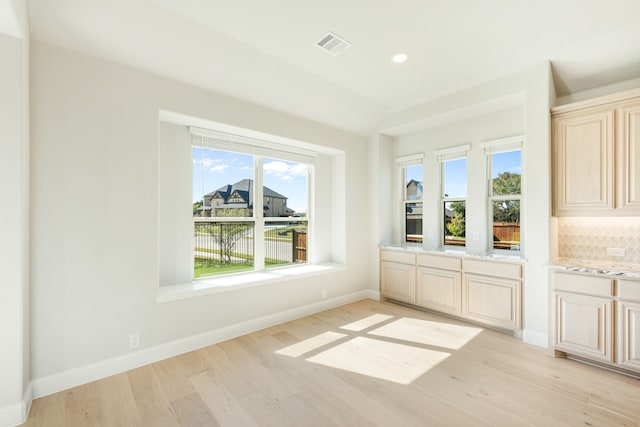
(264, 51)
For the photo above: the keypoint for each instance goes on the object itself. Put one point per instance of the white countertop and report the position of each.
(453, 252)
(602, 268)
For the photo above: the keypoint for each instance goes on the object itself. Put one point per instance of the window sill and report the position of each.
(234, 282)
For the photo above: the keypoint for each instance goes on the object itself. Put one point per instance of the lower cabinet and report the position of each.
(481, 290)
(597, 318)
(438, 289)
(584, 325)
(628, 322)
(397, 281)
(629, 334)
(493, 301)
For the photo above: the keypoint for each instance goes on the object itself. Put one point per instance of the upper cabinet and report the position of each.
(628, 115)
(596, 160)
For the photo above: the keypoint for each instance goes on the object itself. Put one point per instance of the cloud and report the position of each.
(285, 171)
(219, 168)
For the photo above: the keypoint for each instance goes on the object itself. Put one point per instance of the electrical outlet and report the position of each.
(323, 294)
(134, 340)
(619, 252)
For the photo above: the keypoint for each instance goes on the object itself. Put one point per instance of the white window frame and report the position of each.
(443, 156)
(402, 163)
(504, 145)
(259, 150)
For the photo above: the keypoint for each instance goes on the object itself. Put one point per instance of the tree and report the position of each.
(227, 234)
(196, 207)
(457, 224)
(505, 184)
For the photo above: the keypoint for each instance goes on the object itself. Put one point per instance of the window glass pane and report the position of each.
(413, 222)
(413, 184)
(454, 223)
(224, 180)
(505, 173)
(285, 195)
(455, 178)
(285, 188)
(506, 224)
(285, 243)
(222, 247)
(222, 189)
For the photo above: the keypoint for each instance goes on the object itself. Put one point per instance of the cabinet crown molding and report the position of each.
(600, 101)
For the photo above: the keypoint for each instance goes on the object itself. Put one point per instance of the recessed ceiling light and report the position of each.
(399, 58)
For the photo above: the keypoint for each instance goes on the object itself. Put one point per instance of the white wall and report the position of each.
(533, 89)
(94, 211)
(14, 228)
(473, 131)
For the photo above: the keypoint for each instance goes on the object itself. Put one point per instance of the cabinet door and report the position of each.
(628, 166)
(584, 325)
(493, 301)
(583, 162)
(629, 334)
(398, 281)
(438, 289)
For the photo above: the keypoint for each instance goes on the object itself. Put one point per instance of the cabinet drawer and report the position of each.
(629, 289)
(493, 268)
(581, 284)
(398, 256)
(438, 261)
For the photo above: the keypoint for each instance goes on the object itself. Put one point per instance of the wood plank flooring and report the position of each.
(364, 364)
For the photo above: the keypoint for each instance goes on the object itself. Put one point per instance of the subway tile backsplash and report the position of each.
(589, 238)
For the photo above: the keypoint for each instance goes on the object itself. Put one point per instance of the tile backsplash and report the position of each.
(589, 238)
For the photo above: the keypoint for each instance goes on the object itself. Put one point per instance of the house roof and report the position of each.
(245, 189)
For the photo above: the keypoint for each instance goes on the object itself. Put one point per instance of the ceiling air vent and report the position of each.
(333, 43)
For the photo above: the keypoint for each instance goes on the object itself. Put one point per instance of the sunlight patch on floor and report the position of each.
(302, 347)
(427, 332)
(367, 322)
(394, 362)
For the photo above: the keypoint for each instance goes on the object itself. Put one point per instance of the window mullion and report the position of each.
(258, 213)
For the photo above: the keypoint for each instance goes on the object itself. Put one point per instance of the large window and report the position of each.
(250, 209)
(453, 194)
(412, 177)
(505, 193)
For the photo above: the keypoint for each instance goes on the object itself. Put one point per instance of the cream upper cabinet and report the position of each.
(583, 161)
(629, 156)
(596, 159)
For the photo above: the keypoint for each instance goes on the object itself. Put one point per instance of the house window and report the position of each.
(411, 179)
(504, 165)
(453, 194)
(250, 210)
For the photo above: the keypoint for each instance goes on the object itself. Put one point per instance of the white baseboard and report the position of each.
(535, 338)
(17, 413)
(85, 374)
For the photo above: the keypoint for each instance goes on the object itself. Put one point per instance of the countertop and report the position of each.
(453, 252)
(600, 268)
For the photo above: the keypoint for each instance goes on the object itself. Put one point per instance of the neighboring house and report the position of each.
(414, 190)
(236, 200)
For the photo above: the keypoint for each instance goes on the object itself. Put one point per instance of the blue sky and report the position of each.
(213, 169)
(456, 171)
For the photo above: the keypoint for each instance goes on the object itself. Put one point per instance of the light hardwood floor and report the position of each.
(365, 364)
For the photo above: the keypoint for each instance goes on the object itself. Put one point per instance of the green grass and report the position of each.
(203, 267)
